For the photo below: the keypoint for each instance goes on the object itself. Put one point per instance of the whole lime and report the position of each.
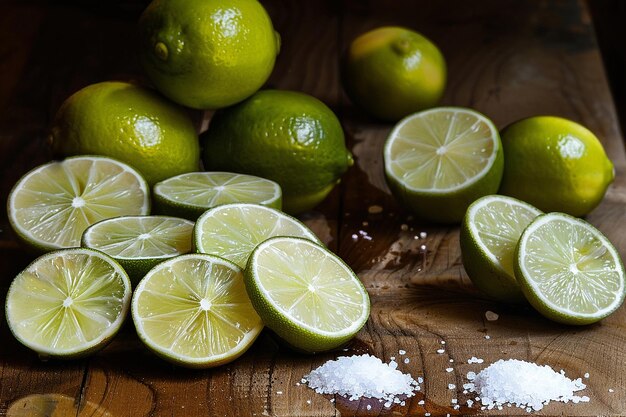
(207, 54)
(286, 136)
(129, 123)
(392, 72)
(555, 164)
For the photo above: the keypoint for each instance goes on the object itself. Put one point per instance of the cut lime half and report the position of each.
(193, 310)
(306, 294)
(68, 303)
(568, 270)
(437, 162)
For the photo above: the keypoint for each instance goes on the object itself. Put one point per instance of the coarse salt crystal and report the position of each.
(491, 316)
(451, 386)
(421, 402)
(440, 351)
(487, 337)
(402, 351)
(449, 369)
(423, 235)
(407, 360)
(369, 407)
(587, 375)
(611, 390)
(474, 359)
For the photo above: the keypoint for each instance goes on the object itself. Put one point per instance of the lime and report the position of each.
(285, 136)
(207, 54)
(233, 230)
(437, 162)
(190, 195)
(392, 72)
(138, 243)
(51, 206)
(193, 310)
(68, 303)
(306, 294)
(490, 231)
(129, 123)
(555, 164)
(568, 270)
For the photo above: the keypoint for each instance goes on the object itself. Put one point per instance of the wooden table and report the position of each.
(506, 58)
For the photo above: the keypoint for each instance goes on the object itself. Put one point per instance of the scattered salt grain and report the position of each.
(426, 414)
(440, 351)
(407, 360)
(443, 342)
(404, 227)
(449, 369)
(474, 359)
(454, 401)
(402, 352)
(308, 401)
(470, 403)
(587, 375)
(491, 316)
(421, 402)
(354, 236)
(611, 390)
(523, 384)
(423, 235)
(279, 392)
(451, 386)
(369, 407)
(487, 337)
(451, 360)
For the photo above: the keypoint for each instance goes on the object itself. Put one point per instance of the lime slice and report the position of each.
(190, 195)
(68, 303)
(51, 206)
(490, 231)
(193, 310)
(233, 230)
(306, 294)
(437, 162)
(568, 270)
(138, 243)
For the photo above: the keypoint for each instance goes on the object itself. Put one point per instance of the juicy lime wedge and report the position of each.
(51, 206)
(193, 310)
(437, 162)
(306, 294)
(233, 230)
(68, 303)
(138, 243)
(190, 195)
(490, 231)
(568, 270)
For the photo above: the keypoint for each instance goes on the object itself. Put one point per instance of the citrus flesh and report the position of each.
(68, 303)
(555, 164)
(51, 206)
(232, 231)
(306, 294)
(568, 270)
(437, 162)
(207, 54)
(193, 310)
(490, 231)
(190, 195)
(138, 243)
(285, 136)
(129, 123)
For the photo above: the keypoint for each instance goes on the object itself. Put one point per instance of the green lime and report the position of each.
(305, 293)
(207, 54)
(437, 162)
(555, 164)
(392, 72)
(68, 303)
(138, 243)
(232, 231)
(51, 206)
(190, 195)
(568, 270)
(129, 123)
(285, 136)
(490, 231)
(193, 310)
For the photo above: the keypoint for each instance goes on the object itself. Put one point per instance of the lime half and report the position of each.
(568, 270)
(68, 303)
(437, 162)
(193, 310)
(490, 231)
(306, 294)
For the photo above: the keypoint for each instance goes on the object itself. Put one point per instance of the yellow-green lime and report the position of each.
(190, 195)
(438, 161)
(306, 294)
(207, 54)
(193, 310)
(68, 303)
(285, 136)
(568, 270)
(232, 231)
(392, 72)
(130, 123)
(138, 243)
(490, 231)
(51, 206)
(555, 164)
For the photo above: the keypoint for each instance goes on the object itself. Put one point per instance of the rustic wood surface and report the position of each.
(508, 59)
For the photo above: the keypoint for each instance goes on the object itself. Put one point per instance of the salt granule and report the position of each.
(491, 316)
(362, 376)
(523, 384)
